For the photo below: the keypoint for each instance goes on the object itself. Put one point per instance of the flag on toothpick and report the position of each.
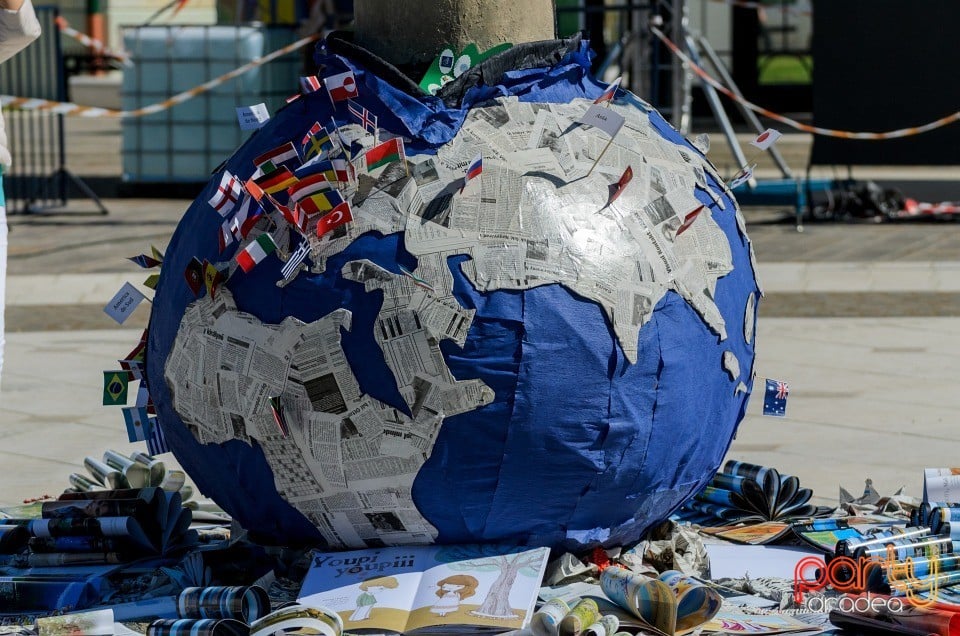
(285, 155)
(323, 201)
(124, 303)
(743, 176)
(227, 194)
(226, 235)
(309, 84)
(212, 278)
(156, 442)
(308, 186)
(255, 252)
(138, 423)
(318, 143)
(474, 170)
(246, 217)
(152, 281)
(144, 261)
(278, 417)
(610, 92)
(193, 274)
(366, 119)
(292, 266)
(775, 398)
(276, 181)
(337, 217)
(609, 121)
(115, 387)
(341, 87)
(689, 219)
(766, 139)
(382, 154)
(252, 117)
(625, 178)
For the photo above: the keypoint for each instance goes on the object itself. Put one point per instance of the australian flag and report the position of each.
(775, 398)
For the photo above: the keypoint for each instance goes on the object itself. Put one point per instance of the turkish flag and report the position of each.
(341, 87)
(334, 219)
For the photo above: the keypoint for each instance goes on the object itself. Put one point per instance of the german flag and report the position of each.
(277, 181)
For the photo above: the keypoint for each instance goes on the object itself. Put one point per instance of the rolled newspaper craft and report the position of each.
(137, 475)
(155, 466)
(584, 614)
(546, 620)
(606, 626)
(246, 604)
(305, 621)
(197, 627)
(107, 476)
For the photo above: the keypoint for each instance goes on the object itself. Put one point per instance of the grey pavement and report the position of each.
(862, 320)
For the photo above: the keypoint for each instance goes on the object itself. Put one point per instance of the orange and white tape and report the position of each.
(816, 130)
(13, 102)
(92, 43)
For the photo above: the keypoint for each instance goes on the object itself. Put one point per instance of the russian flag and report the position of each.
(610, 92)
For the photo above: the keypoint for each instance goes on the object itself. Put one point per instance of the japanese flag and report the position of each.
(341, 87)
(766, 139)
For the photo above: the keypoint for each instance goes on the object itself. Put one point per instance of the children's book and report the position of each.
(428, 589)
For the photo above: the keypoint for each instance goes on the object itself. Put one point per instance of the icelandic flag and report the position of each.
(775, 398)
(366, 119)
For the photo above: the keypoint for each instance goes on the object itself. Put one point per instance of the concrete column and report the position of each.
(415, 31)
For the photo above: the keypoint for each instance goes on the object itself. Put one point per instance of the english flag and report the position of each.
(766, 139)
(341, 87)
(227, 194)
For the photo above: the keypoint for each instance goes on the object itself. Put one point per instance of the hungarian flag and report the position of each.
(255, 252)
(321, 202)
(337, 217)
(342, 86)
(382, 154)
(277, 181)
(279, 156)
(115, 387)
(307, 186)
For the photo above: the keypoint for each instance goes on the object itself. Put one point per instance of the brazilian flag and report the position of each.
(115, 388)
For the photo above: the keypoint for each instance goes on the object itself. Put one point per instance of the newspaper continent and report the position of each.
(542, 212)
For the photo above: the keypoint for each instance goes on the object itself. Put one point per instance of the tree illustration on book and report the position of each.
(488, 559)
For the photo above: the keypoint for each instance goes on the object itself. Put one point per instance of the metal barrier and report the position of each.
(38, 178)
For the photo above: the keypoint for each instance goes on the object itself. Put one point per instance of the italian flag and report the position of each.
(256, 252)
(384, 153)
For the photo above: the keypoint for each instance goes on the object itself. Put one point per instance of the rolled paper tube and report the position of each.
(137, 475)
(82, 484)
(584, 614)
(109, 477)
(13, 539)
(173, 480)
(194, 627)
(606, 626)
(155, 466)
(246, 604)
(546, 620)
(301, 619)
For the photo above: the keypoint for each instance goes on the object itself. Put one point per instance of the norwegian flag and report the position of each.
(364, 117)
(309, 84)
(227, 194)
(775, 398)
